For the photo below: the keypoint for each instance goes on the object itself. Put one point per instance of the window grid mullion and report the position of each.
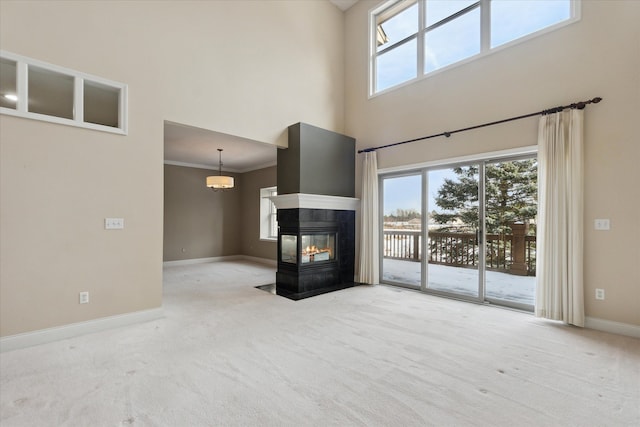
(398, 44)
(485, 25)
(421, 35)
(453, 16)
(22, 88)
(78, 99)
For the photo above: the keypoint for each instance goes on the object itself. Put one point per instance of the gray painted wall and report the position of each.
(317, 161)
(198, 222)
(201, 223)
(252, 182)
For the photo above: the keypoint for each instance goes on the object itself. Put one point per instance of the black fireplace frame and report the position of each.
(303, 280)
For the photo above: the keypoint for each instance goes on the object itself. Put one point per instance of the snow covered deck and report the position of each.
(501, 286)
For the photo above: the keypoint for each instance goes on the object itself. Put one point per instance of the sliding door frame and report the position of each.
(381, 178)
(481, 160)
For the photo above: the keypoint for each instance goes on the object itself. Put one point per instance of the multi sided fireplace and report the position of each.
(316, 212)
(315, 251)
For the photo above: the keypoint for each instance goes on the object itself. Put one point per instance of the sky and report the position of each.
(460, 38)
(404, 192)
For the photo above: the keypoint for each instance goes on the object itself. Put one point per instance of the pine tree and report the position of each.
(511, 196)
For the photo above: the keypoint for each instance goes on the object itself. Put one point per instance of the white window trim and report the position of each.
(485, 49)
(267, 213)
(22, 63)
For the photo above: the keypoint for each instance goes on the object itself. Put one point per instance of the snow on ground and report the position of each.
(502, 286)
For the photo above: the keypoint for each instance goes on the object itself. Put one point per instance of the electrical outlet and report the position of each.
(84, 297)
(602, 224)
(600, 294)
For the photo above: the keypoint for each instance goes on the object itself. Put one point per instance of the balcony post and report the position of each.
(518, 249)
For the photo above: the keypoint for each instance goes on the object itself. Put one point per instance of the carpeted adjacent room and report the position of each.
(227, 353)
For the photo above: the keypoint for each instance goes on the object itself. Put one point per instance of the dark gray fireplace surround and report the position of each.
(316, 213)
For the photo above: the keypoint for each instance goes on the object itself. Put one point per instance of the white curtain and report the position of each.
(559, 288)
(369, 266)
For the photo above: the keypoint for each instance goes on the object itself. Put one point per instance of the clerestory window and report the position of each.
(37, 90)
(411, 39)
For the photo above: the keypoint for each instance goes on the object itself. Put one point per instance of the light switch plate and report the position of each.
(602, 224)
(113, 223)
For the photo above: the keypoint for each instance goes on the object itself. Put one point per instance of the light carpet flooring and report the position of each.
(227, 354)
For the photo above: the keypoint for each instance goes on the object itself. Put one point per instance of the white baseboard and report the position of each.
(192, 261)
(200, 260)
(42, 336)
(269, 262)
(613, 327)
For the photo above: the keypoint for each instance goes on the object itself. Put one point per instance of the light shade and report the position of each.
(220, 181)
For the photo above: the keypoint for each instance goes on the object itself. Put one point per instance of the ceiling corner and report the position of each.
(343, 5)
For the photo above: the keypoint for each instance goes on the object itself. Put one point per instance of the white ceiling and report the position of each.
(195, 147)
(344, 4)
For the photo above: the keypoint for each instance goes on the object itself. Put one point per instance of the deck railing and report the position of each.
(513, 253)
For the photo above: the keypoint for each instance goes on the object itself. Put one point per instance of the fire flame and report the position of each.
(310, 250)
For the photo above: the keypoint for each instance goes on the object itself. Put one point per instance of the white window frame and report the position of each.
(485, 42)
(268, 215)
(22, 66)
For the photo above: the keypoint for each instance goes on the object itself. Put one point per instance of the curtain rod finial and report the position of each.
(596, 100)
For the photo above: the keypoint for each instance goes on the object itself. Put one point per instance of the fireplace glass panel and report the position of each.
(289, 248)
(317, 247)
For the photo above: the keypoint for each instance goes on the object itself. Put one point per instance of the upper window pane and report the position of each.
(445, 32)
(101, 104)
(514, 19)
(8, 87)
(50, 93)
(396, 66)
(437, 10)
(396, 24)
(453, 41)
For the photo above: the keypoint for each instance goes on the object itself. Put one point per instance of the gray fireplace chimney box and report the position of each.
(317, 161)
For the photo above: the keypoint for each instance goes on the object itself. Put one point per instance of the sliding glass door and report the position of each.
(402, 230)
(511, 206)
(453, 230)
(477, 235)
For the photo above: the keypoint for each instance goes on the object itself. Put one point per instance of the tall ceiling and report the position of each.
(195, 147)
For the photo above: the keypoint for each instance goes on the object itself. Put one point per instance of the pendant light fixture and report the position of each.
(220, 182)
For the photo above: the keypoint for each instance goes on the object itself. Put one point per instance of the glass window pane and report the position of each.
(50, 93)
(289, 248)
(453, 41)
(437, 10)
(514, 19)
(397, 27)
(511, 206)
(8, 87)
(318, 247)
(396, 66)
(452, 231)
(402, 229)
(101, 104)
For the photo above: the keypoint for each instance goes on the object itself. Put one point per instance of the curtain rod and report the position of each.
(579, 105)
